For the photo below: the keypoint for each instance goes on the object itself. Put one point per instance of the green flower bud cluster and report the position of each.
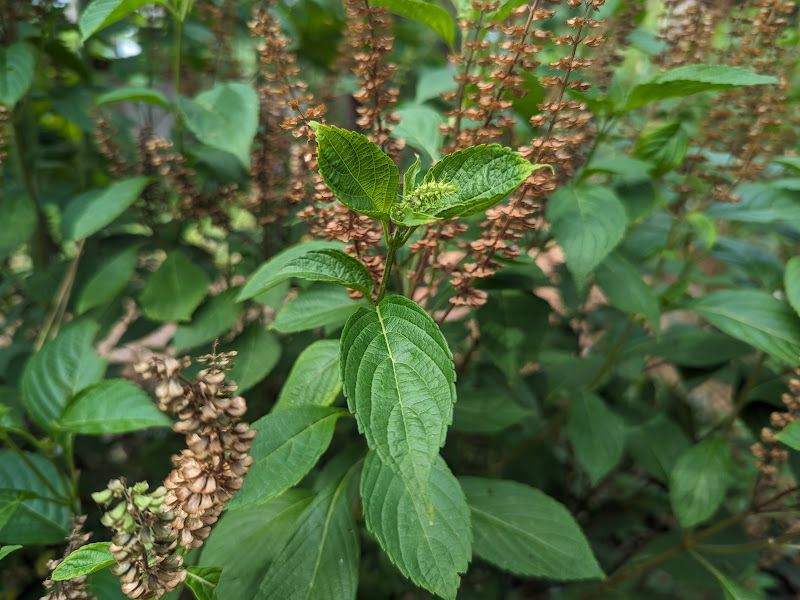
(426, 196)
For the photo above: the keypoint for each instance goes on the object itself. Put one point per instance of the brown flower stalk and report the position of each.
(75, 588)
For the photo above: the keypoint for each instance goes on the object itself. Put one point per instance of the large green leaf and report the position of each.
(699, 480)
(359, 174)
(625, 289)
(427, 13)
(289, 443)
(63, 367)
(419, 127)
(487, 410)
(664, 145)
(110, 279)
(760, 203)
(756, 318)
(111, 406)
(656, 445)
(43, 519)
(18, 222)
(203, 581)
(587, 222)
(17, 64)
(214, 318)
(692, 79)
(86, 559)
(6, 550)
(102, 13)
(88, 213)
(258, 352)
(174, 290)
(690, 346)
(430, 550)
(398, 378)
(318, 306)
(791, 281)
(133, 94)
(9, 503)
(244, 542)
(320, 560)
(522, 530)
(597, 435)
(314, 378)
(224, 117)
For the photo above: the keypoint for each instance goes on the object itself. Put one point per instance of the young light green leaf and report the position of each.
(258, 353)
(320, 560)
(699, 480)
(174, 290)
(588, 222)
(289, 443)
(203, 581)
(597, 435)
(216, 316)
(86, 559)
(245, 542)
(102, 13)
(419, 127)
(625, 289)
(318, 306)
(314, 378)
(18, 222)
(6, 550)
(398, 379)
(88, 213)
(704, 227)
(522, 530)
(755, 317)
(109, 280)
(656, 445)
(267, 271)
(64, 366)
(358, 173)
(791, 281)
(427, 13)
(664, 145)
(133, 94)
(430, 551)
(410, 177)
(17, 64)
(111, 406)
(692, 79)
(790, 435)
(224, 117)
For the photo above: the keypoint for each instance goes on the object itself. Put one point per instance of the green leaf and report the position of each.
(756, 318)
(64, 366)
(588, 222)
(730, 589)
(699, 480)
(487, 410)
(102, 13)
(111, 406)
(18, 222)
(398, 379)
(6, 550)
(244, 542)
(760, 203)
(431, 82)
(17, 65)
(133, 94)
(213, 319)
(704, 227)
(419, 127)
(522, 530)
(88, 213)
(692, 79)
(689, 346)
(410, 177)
(597, 435)
(258, 352)
(791, 281)
(663, 145)
(328, 265)
(656, 445)
(9, 503)
(203, 581)
(625, 289)
(267, 271)
(224, 117)
(44, 519)
(358, 173)
(318, 306)
(320, 560)
(86, 559)
(174, 290)
(314, 378)
(426, 13)
(108, 281)
(288, 445)
(430, 550)
(790, 435)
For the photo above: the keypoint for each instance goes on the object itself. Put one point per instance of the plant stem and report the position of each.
(611, 356)
(176, 83)
(744, 394)
(392, 242)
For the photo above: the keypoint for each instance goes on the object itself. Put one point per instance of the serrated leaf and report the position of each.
(522, 530)
(6, 550)
(791, 281)
(597, 435)
(244, 542)
(18, 222)
(398, 379)
(175, 290)
(318, 306)
(214, 318)
(224, 117)
(258, 352)
(430, 551)
(86, 559)
(426, 13)
(288, 445)
(109, 280)
(133, 94)
(267, 271)
(419, 127)
(102, 13)
(203, 581)
(664, 145)
(790, 435)
(756, 318)
(314, 378)
(320, 560)
(358, 173)
(699, 480)
(111, 406)
(17, 63)
(692, 79)
(588, 222)
(64, 366)
(623, 286)
(656, 445)
(88, 213)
